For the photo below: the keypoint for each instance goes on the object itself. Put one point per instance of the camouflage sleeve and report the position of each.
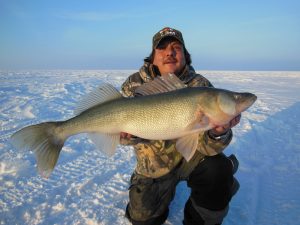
(199, 81)
(208, 145)
(130, 84)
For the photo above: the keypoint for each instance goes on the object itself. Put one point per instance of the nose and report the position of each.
(170, 50)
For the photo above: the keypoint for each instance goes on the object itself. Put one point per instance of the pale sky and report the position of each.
(95, 34)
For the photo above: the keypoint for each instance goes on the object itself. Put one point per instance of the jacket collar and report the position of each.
(148, 72)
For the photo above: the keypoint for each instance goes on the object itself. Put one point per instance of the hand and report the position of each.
(219, 130)
(124, 135)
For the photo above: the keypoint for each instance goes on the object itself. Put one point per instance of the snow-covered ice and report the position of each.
(88, 188)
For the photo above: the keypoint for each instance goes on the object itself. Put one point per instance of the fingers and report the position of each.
(125, 135)
(220, 130)
(223, 129)
(122, 135)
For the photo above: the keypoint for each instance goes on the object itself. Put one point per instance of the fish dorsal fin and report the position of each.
(103, 93)
(161, 84)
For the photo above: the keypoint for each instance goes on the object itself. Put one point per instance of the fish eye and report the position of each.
(236, 97)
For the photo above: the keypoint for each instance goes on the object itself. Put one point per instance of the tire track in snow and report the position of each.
(89, 174)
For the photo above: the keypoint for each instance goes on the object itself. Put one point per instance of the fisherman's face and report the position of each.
(169, 57)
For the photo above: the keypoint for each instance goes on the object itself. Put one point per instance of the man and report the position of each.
(160, 167)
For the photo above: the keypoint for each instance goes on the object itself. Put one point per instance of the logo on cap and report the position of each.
(167, 31)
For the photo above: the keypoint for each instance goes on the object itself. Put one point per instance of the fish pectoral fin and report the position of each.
(161, 84)
(201, 123)
(204, 122)
(106, 143)
(187, 145)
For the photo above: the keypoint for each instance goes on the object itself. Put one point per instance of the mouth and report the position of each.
(170, 61)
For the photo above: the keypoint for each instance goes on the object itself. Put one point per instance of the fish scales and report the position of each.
(161, 116)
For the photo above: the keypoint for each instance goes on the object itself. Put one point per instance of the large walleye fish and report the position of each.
(166, 109)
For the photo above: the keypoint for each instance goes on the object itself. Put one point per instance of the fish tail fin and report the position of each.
(45, 141)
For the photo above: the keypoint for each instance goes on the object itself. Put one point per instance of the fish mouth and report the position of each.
(251, 97)
(245, 100)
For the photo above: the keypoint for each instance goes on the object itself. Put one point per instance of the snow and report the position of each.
(88, 188)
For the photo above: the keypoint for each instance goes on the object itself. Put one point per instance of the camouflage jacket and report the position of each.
(156, 158)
